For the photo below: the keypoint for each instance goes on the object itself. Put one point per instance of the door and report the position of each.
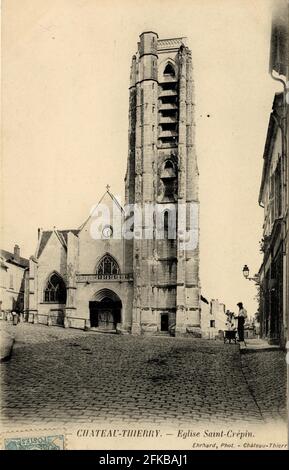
(104, 314)
(164, 322)
(93, 314)
(106, 318)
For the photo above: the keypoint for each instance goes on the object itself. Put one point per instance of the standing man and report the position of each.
(242, 315)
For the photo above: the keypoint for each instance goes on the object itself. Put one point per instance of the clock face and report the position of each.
(107, 231)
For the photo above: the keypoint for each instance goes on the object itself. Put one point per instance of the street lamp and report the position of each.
(246, 272)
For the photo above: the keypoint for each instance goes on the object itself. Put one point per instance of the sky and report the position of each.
(65, 78)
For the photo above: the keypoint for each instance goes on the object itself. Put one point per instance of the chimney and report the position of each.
(16, 253)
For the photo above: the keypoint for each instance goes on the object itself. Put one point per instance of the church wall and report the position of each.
(53, 258)
(92, 245)
(128, 256)
(165, 302)
(91, 251)
(151, 320)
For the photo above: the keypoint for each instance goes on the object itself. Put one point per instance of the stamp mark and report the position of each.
(35, 443)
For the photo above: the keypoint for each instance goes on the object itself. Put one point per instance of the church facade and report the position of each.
(137, 271)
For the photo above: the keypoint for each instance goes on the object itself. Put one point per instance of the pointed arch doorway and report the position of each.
(105, 310)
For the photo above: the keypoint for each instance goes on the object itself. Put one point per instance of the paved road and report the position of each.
(65, 375)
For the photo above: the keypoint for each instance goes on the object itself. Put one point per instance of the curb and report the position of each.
(245, 350)
(6, 347)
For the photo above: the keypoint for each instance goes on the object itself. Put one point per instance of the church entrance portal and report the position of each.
(105, 313)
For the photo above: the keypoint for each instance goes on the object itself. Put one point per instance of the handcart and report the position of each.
(230, 335)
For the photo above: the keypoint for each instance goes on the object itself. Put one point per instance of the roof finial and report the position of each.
(107, 187)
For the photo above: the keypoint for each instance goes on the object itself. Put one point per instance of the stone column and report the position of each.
(23, 316)
(136, 328)
(192, 223)
(130, 172)
(33, 290)
(146, 122)
(181, 215)
(149, 83)
(70, 309)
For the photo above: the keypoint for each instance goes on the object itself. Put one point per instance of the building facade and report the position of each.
(14, 270)
(148, 281)
(274, 194)
(78, 277)
(213, 318)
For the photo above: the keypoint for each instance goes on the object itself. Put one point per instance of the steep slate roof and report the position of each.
(62, 235)
(203, 299)
(44, 239)
(9, 258)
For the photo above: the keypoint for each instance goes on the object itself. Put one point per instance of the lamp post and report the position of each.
(255, 278)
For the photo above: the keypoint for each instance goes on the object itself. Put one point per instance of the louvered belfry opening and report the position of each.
(168, 108)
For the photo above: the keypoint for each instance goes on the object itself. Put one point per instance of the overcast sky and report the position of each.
(65, 117)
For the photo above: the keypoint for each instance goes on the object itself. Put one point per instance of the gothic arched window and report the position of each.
(107, 266)
(55, 290)
(169, 70)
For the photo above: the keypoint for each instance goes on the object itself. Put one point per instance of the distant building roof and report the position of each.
(9, 258)
(270, 141)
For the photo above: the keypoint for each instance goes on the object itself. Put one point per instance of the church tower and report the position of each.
(162, 175)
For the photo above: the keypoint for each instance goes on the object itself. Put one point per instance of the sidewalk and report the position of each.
(255, 345)
(265, 370)
(7, 337)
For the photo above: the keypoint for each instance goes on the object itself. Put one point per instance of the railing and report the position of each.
(103, 277)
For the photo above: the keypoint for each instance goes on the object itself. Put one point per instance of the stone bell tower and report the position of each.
(162, 173)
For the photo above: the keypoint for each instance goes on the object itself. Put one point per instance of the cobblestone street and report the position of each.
(65, 375)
